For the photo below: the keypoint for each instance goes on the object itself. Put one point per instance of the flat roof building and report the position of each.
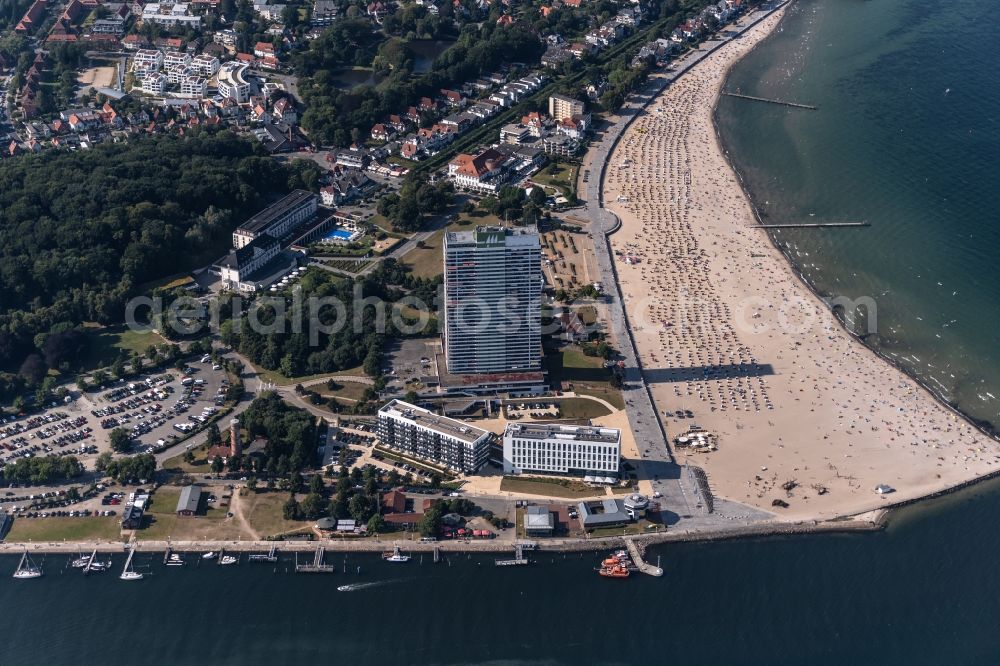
(439, 439)
(278, 219)
(233, 82)
(493, 300)
(561, 449)
(562, 107)
(603, 513)
(538, 521)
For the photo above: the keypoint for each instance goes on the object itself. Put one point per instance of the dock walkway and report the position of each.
(643, 566)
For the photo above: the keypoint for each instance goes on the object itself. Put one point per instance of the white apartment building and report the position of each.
(493, 300)
(192, 86)
(154, 83)
(561, 449)
(170, 14)
(419, 432)
(233, 82)
(147, 60)
(206, 64)
(174, 59)
(237, 269)
(178, 73)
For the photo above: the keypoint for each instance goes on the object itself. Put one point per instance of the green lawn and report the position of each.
(64, 529)
(558, 175)
(347, 390)
(106, 343)
(545, 487)
(421, 466)
(427, 261)
(263, 510)
(581, 408)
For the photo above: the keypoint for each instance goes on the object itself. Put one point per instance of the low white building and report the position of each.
(154, 83)
(439, 439)
(233, 82)
(206, 64)
(193, 86)
(561, 449)
(170, 14)
(147, 60)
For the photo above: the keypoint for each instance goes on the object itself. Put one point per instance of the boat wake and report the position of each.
(362, 586)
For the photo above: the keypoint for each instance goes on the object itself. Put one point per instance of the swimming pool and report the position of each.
(340, 235)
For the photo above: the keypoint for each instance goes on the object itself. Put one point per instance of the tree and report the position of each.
(291, 510)
(376, 524)
(316, 484)
(189, 456)
(217, 465)
(214, 436)
(121, 440)
(103, 460)
(312, 506)
(435, 480)
(252, 483)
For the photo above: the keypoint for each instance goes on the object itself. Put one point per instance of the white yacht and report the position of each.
(228, 559)
(128, 573)
(27, 569)
(175, 560)
(210, 556)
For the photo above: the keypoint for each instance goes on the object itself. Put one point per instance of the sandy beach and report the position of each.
(726, 330)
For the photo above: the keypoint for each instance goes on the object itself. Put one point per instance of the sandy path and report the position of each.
(726, 331)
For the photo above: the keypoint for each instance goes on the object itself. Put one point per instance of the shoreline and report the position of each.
(986, 427)
(632, 216)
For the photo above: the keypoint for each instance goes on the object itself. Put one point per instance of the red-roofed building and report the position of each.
(483, 172)
(32, 18)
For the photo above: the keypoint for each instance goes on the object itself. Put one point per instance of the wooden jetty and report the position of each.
(779, 102)
(810, 225)
(640, 563)
(519, 558)
(317, 565)
(261, 557)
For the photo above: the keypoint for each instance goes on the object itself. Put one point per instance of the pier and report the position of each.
(779, 102)
(810, 225)
(519, 558)
(640, 563)
(317, 565)
(260, 557)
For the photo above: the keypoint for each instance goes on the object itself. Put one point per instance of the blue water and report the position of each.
(907, 137)
(340, 234)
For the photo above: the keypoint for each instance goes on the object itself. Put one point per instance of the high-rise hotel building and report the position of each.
(493, 300)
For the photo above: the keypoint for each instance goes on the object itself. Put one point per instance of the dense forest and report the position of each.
(339, 116)
(80, 231)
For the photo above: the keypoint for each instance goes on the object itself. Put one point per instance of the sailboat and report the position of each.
(27, 569)
(128, 573)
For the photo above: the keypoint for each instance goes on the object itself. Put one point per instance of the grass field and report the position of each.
(347, 265)
(558, 175)
(64, 529)
(163, 522)
(347, 390)
(427, 261)
(571, 370)
(548, 487)
(581, 408)
(199, 466)
(263, 511)
(105, 344)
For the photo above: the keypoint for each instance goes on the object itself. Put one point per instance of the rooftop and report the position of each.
(426, 419)
(484, 236)
(269, 215)
(560, 431)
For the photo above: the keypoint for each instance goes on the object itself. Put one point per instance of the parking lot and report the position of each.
(408, 359)
(155, 409)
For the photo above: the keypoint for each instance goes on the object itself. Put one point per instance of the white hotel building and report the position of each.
(439, 439)
(561, 449)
